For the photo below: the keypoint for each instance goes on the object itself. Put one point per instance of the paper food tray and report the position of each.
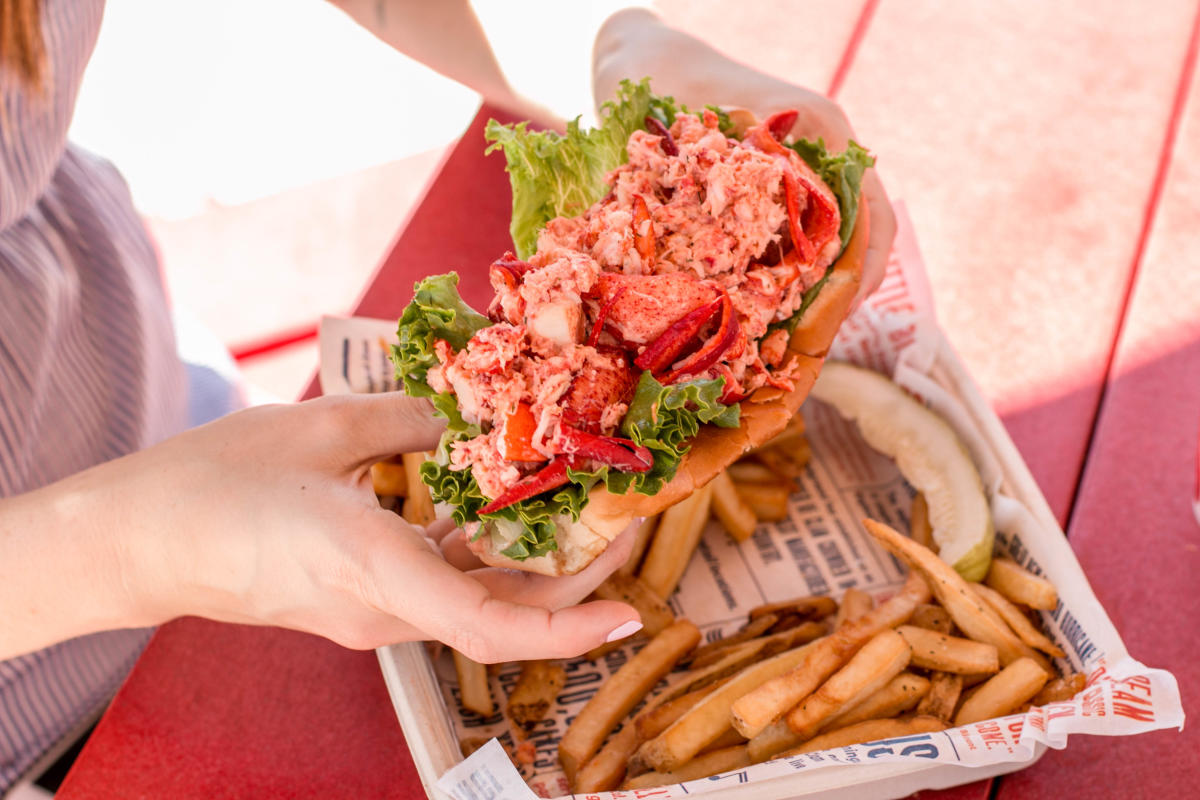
(820, 549)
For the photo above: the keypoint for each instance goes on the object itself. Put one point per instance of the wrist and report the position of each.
(61, 574)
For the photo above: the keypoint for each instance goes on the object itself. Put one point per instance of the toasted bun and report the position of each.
(764, 414)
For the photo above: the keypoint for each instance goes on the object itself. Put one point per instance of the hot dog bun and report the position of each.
(764, 414)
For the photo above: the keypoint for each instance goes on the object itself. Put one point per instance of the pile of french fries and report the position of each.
(811, 674)
(801, 675)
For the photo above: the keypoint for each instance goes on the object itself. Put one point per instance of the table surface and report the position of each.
(1049, 156)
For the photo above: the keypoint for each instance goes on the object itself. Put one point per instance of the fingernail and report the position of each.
(624, 630)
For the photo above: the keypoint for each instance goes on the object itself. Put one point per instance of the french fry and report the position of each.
(786, 622)
(766, 646)
(900, 694)
(600, 651)
(1060, 689)
(615, 698)
(709, 719)
(974, 680)
(679, 530)
(855, 603)
(731, 661)
(876, 663)
(931, 617)
(752, 472)
(605, 770)
(1021, 586)
(641, 540)
(870, 731)
(945, 688)
(937, 651)
(473, 686)
(714, 763)
(388, 478)
(469, 744)
(768, 500)
(786, 460)
(1017, 621)
(1008, 690)
(965, 607)
(655, 613)
(794, 432)
(808, 607)
(534, 693)
(733, 512)
(711, 653)
(769, 699)
(729, 738)
(418, 505)
(653, 721)
(773, 739)
(919, 528)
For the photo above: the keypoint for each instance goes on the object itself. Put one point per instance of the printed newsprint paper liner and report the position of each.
(822, 549)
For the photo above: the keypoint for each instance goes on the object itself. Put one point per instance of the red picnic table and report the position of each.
(1050, 159)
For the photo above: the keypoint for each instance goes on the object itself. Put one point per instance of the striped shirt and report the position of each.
(88, 366)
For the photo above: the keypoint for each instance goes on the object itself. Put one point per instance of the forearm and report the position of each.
(60, 565)
(636, 43)
(447, 37)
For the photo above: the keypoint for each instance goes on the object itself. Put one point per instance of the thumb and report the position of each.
(371, 427)
(452, 607)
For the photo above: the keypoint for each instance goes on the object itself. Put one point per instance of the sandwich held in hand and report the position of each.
(676, 280)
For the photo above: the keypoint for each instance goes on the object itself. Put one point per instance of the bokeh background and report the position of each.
(275, 147)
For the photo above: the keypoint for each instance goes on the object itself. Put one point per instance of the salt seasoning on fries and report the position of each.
(932, 617)
(937, 651)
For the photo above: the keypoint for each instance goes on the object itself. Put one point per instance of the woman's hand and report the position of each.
(635, 43)
(268, 517)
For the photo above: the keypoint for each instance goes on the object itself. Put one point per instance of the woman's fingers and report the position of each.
(458, 554)
(438, 530)
(419, 587)
(557, 592)
(883, 231)
(369, 427)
